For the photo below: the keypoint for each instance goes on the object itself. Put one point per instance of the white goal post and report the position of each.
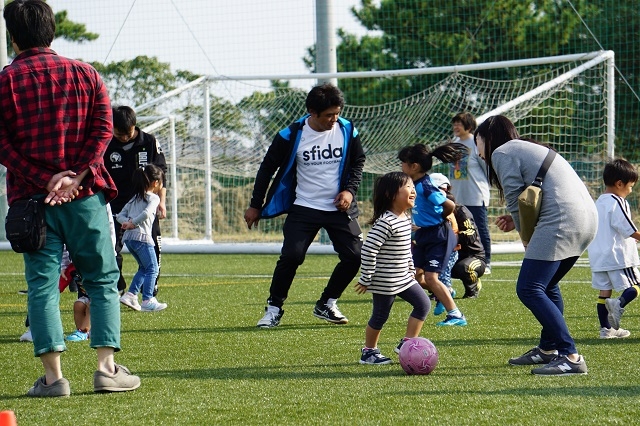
(216, 129)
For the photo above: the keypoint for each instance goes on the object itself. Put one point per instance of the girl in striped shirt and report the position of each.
(387, 267)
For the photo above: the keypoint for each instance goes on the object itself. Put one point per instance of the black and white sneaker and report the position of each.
(562, 366)
(271, 318)
(329, 312)
(397, 349)
(533, 357)
(373, 357)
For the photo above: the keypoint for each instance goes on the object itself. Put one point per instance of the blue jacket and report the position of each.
(281, 156)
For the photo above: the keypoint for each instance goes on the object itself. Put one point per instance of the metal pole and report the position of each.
(207, 162)
(326, 60)
(3, 39)
(174, 179)
(611, 106)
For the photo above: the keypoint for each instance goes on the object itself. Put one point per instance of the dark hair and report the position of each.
(467, 120)
(421, 155)
(143, 177)
(124, 118)
(619, 170)
(31, 23)
(324, 96)
(385, 191)
(495, 132)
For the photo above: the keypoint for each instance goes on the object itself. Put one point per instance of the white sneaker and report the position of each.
(612, 333)
(26, 336)
(130, 300)
(487, 270)
(615, 311)
(152, 305)
(271, 318)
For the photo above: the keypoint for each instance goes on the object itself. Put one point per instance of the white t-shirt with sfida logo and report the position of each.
(318, 167)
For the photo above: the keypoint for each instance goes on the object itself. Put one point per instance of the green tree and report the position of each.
(137, 81)
(72, 31)
(65, 29)
(615, 25)
(432, 33)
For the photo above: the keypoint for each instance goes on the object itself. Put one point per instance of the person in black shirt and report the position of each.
(131, 148)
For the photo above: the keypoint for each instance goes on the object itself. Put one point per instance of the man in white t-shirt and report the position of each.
(469, 182)
(319, 161)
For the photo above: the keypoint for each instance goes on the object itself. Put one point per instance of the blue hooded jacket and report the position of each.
(281, 156)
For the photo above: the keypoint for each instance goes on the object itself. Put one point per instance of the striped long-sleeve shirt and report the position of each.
(387, 266)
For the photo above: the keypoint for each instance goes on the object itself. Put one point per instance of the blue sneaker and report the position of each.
(439, 309)
(449, 320)
(453, 292)
(77, 336)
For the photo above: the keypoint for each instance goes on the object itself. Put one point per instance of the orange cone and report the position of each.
(8, 418)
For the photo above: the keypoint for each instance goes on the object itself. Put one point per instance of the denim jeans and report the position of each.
(482, 223)
(538, 289)
(145, 277)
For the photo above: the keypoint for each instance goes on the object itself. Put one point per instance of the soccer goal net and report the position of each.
(216, 130)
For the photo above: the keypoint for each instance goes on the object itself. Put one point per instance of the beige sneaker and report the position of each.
(121, 381)
(58, 388)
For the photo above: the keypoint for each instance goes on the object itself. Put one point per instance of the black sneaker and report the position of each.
(329, 312)
(397, 349)
(533, 357)
(373, 357)
(562, 366)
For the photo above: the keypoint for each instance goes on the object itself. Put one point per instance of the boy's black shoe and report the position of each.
(329, 313)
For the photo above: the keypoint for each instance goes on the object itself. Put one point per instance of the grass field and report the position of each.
(202, 361)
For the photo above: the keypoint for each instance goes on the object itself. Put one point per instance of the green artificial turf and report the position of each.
(203, 361)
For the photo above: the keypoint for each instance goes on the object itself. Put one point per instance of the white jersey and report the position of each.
(613, 248)
(387, 265)
(318, 167)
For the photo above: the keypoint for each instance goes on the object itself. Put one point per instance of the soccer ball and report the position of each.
(418, 356)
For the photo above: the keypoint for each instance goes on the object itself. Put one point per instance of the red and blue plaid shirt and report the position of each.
(55, 115)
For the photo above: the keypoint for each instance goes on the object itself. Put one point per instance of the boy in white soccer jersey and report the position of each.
(613, 254)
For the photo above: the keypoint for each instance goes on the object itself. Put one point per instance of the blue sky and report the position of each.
(232, 37)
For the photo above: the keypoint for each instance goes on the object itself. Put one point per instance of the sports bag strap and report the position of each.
(543, 169)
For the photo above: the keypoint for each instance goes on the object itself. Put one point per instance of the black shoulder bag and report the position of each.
(25, 225)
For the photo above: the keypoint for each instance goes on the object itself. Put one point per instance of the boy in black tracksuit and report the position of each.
(131, 148)
(471, 262)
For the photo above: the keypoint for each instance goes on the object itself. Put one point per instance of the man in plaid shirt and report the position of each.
(55, 124)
